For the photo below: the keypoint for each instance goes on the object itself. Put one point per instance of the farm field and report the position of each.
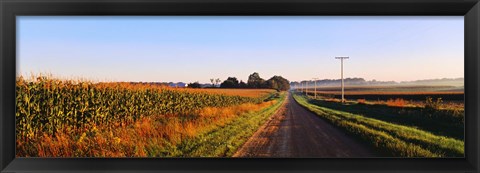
(391, 88)
(232, 92)
(395, 131)
(416, 95)
(62, 118)
(121, 119)
(239, 86)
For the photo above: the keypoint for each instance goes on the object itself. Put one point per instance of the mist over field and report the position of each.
(447, 82)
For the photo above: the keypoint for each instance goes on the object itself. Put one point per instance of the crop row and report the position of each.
(47, 104)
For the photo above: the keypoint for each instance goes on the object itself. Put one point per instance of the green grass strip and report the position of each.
(393, 139)
(225, 141)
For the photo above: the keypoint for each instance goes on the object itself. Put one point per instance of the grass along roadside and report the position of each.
(225, 141)
(449, 123)
(389, 138)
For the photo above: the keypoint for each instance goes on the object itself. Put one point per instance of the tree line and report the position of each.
(254, 81)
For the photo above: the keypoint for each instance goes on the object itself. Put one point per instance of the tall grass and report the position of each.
(392, 139)
(399, 102)
(224, 141)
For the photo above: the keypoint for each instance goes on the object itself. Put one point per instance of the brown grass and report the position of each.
(143, 86)
(399, 102)
(333, 100)
(361, 101)
(235, 92)
(391, 92)
(230, 92)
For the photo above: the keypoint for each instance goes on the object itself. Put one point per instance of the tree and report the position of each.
(217, 81)
(194, 85)
(273, 84)
(242, 84)
(278, 82)
(255, 81)
(231, 82)
(213, 82)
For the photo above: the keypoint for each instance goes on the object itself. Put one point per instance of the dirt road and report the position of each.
(295, 132)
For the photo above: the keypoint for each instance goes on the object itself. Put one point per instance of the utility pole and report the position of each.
(301, 87)
(315, 87)
(298, 87)
(305, 87)
(341, 59)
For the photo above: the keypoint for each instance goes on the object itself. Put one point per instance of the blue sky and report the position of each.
(189, 49)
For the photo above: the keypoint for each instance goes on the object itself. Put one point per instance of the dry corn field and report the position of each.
(235, 92)
(67, 118)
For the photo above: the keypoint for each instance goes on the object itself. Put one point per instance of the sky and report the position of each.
(198, 48)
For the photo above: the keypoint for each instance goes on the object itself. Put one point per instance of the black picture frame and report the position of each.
(9, 9)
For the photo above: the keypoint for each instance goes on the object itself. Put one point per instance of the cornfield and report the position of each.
(46, 105)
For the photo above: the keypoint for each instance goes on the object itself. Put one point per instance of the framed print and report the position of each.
(172, 86)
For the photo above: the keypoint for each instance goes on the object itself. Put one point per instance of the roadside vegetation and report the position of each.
(413, 94)
(392, 134)
(224, 141)
(432, 117)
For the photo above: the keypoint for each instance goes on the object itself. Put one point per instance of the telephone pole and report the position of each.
(301, 87)
(341, 59)
(304, 88)
(315, 87)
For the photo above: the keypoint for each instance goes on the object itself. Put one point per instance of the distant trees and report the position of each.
(231, 82)
(242, 84)
(255, 81)
(194, 85)
(217, 81)
(278, 82)
(213, 82)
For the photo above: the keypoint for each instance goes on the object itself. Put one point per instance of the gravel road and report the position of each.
(295, 132)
